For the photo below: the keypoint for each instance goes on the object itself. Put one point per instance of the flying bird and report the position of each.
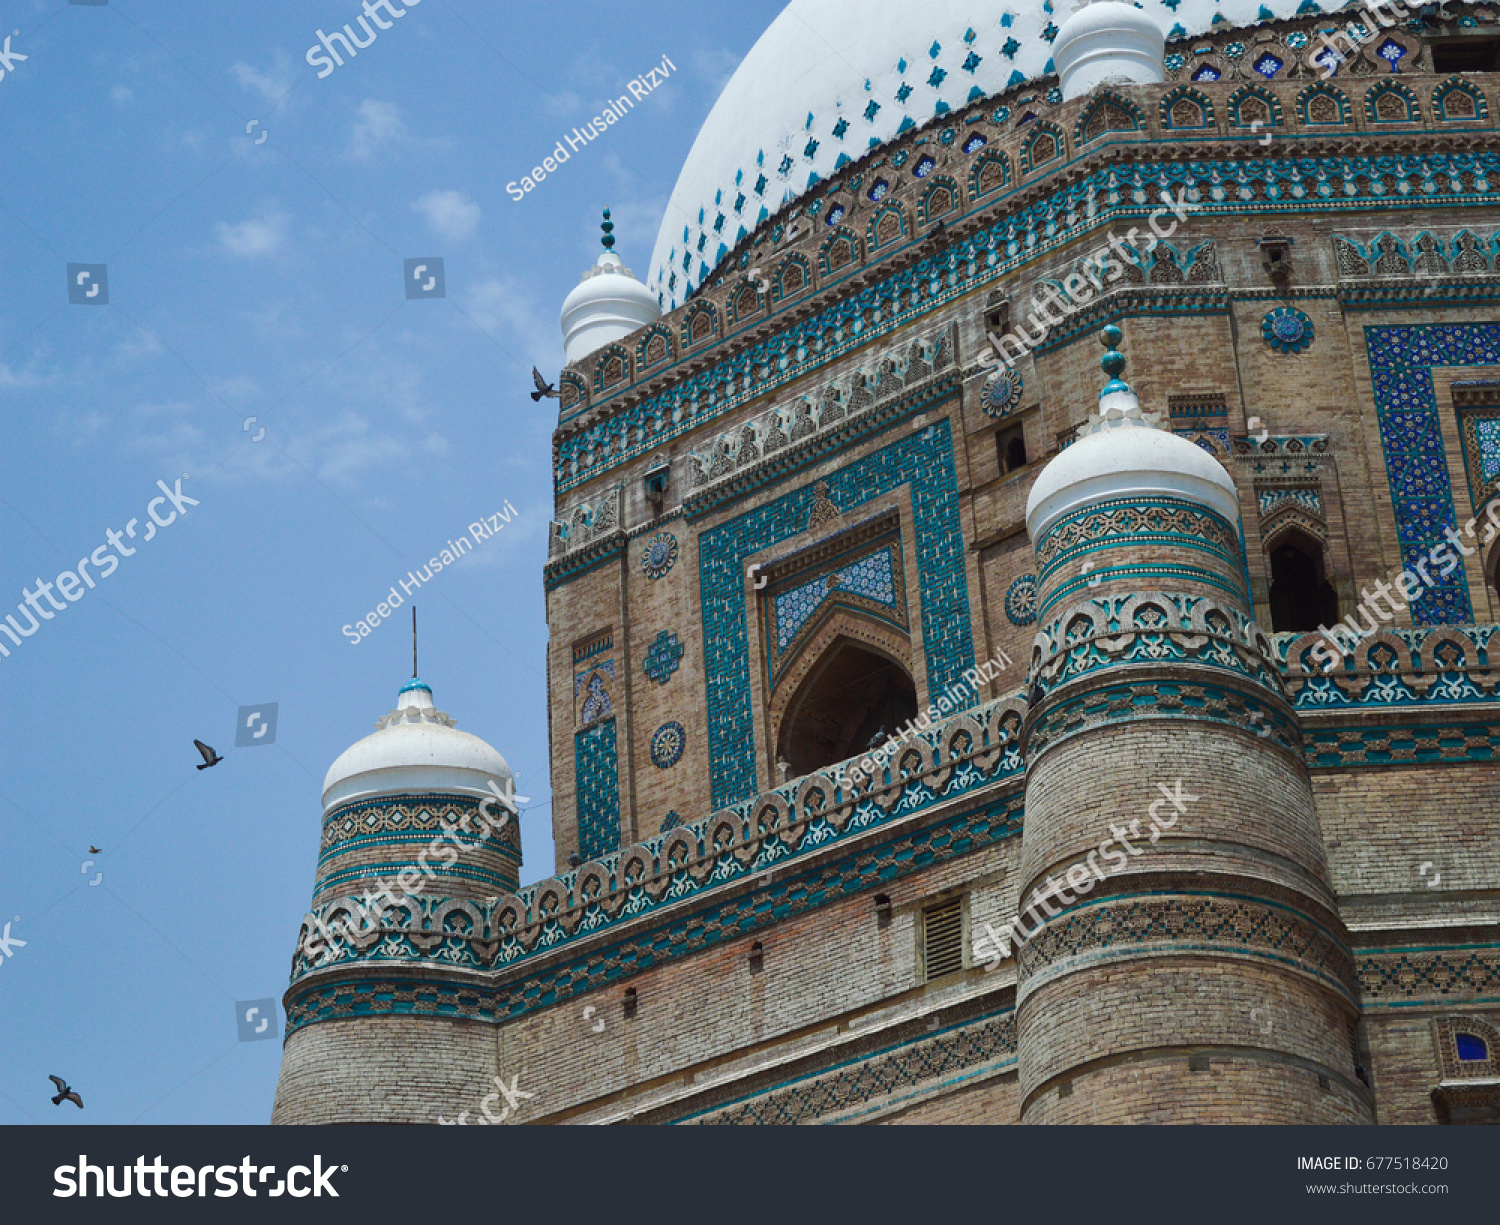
(65, 1093)
(93, 850)
(210, 756)
(543, 388)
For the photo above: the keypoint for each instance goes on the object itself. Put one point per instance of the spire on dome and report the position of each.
(607, 305)
(415, 694)
(1118, 395)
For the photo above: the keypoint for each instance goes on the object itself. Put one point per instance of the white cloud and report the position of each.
(10, 377)
(502, 308)
(714, 68)
(564, 103)
(379, 125)
(140, 343)
(272, 85)
(256, 237)
(450, 214)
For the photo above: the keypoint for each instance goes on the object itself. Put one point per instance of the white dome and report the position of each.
(607, 305)
(1122, 455)
(1107, 42)
(415, 748)
(830, 79)
(1133, 460)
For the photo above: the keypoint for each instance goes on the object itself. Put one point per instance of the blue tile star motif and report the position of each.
(659, 555)
(1287, 330)
(872, 577)
(663, 657)
(1401, 363)
(1020, 600)
(667, 744)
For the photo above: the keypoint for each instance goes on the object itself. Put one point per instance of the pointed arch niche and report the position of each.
(837, 656)
(1302, 598)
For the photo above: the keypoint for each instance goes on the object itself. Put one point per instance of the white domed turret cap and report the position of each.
(1125, 456)
(1105, 42)
(607, 305)
(415, 749)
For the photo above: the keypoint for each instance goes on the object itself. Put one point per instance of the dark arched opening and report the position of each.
(1302, 598)
(854, 699)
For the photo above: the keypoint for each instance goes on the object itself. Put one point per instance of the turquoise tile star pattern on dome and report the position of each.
(910, 63)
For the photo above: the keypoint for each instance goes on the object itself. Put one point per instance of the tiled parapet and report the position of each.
(962, 756)
(1401, 668)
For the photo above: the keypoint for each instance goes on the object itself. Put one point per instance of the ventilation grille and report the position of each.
(943, 938)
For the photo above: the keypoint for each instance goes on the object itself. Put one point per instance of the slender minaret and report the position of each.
(1185, 961)
(414, 850)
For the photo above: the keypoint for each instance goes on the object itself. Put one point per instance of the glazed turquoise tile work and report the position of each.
(922, 460)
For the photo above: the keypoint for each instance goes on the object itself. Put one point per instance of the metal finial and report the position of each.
(414, 642)
(608, 227)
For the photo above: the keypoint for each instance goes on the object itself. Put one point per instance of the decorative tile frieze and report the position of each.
(460, 935)
(1101, 634)
(895, 297)
(964, 754)
(1434, 974)
(988, 1045)
(1127, 926)
(1122, 522)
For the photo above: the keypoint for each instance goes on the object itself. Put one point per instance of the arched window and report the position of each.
(1471, 1047)
(852, 701)
(1302, 598)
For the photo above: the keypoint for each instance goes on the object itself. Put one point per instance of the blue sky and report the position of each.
(265, 280)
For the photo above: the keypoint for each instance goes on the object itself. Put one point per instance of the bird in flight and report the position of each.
(93, 850)
(210, 756)
(543, 388)
(65, 1093)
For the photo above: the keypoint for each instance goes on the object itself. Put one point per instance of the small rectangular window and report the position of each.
(1010, 449)
(943, 938)
(1466, 55)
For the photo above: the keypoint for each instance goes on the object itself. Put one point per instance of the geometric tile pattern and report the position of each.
(1150, 925)
(872, 577)
(596, 770)
(922, 459)
(1401, 363)
(1378, 746)
(1397, 977)
(663, 656)
(902, 1066)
